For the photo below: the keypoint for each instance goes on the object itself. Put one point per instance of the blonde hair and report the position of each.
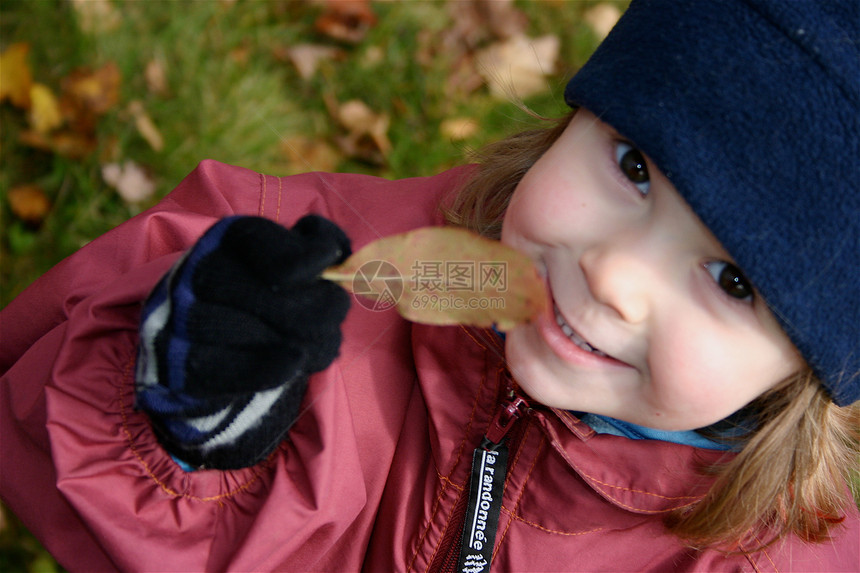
(788, 477)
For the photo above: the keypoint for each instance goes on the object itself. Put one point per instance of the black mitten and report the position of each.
(231, 333)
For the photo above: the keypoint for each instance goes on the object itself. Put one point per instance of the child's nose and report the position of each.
(622, 278)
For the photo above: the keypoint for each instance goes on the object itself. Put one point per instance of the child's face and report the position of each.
(681, 340)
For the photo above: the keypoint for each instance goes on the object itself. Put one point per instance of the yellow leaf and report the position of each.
(29, 203)
(45, 115)
(445, 275)
(15, 75)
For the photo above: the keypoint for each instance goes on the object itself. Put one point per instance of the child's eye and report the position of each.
(633, 165)
(730, 279)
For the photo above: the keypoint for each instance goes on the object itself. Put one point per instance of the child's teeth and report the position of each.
(573, 335)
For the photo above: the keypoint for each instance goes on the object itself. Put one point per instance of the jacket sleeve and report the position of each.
(82, 467)
(71, 335)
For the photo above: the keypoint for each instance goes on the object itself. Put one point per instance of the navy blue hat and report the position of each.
(752, 109)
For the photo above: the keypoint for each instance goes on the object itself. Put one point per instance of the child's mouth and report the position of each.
(573, 335)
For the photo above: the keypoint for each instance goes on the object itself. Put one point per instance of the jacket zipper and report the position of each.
(513, 408)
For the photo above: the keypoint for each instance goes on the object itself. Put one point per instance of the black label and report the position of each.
(486, 486)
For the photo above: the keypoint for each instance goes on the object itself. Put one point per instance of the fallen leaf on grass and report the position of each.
(45, 115)
(15, 75)
(130, 180)
(96, 16)
(90, 93)
(475, 21)
(155, 75)
(66, 143)
(145, 126)
(458, 128)
(29, 203)
(368, 131)
(518, 67)
(601, 18)
(346, 20)
(306, 154)
(437, 275)
(307, 57)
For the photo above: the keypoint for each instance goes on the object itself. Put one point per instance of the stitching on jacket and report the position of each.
(446, 478)
(123, 408)
(593, 479)
(262, 194)
(546, 529)
(751, 556)
(523, 488)
(766, 554)
(481, 345)
(436, 504)
(642, 509)
(690, 497)
(448, 481)
(576, 427)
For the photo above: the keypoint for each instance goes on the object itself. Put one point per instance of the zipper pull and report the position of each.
(486, 487)
(508, 413)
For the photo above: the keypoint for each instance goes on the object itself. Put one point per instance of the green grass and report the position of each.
(230, 97)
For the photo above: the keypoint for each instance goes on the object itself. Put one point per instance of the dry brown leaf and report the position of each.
(145, 126)
(306, 154)
(15, 75)
(307, 57)
(71, 144)
(346, 20)
(368, 131)
(445, 275)
(458, 128)
(29, 203)
(130, 180)
(463, 79)
(601, 18)
(45, 115)
(518, 67)
(155, 75)
(356, 116)
(96, 16)
(94, 91)
(476, 21)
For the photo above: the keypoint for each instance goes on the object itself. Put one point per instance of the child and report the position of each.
(668, 412)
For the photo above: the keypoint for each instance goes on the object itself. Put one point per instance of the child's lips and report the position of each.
(568, 342)
(573, 335)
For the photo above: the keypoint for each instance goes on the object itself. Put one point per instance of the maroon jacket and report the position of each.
(372, 474)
